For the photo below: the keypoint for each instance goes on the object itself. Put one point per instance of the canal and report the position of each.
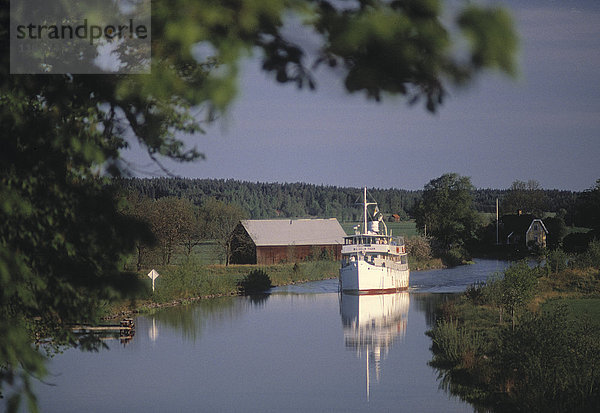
(300, 348)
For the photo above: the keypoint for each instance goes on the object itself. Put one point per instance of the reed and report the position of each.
(453, 345)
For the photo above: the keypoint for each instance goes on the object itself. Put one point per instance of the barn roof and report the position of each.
(294, 231)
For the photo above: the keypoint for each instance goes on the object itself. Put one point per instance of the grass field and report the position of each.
(577, 308)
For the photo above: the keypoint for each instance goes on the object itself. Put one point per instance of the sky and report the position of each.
(543, 125)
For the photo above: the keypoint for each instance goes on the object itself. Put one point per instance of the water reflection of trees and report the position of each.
(431, 304)
(192, 319)
(258, 300)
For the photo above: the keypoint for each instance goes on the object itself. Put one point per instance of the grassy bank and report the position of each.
(527, 342)
(425, 264)
(191, 281)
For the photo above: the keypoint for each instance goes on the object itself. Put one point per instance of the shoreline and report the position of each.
(486, 348)
(149, 306)
(141, 306)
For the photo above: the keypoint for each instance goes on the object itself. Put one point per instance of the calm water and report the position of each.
(302, 348)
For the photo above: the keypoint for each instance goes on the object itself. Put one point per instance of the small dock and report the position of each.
(126, 325)
(125, 329)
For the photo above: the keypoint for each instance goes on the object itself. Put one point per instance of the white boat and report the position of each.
(373, 262)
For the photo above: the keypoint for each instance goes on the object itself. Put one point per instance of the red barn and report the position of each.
(273, 241)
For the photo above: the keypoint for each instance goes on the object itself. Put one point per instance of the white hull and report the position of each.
(361, 277)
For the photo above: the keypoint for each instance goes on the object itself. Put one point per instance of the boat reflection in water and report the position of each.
(372, 323)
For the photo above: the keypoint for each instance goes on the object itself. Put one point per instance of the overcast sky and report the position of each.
(544, 125)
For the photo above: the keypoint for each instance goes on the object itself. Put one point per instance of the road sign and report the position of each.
(153, 276)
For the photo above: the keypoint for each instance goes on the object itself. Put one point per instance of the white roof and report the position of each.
(537, 220)
(295, 231)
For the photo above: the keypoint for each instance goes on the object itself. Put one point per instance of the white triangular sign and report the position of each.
(153, 275)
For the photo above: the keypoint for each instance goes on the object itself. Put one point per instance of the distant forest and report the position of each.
(287, 200)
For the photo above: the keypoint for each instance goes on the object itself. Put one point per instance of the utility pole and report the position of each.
(497, 220)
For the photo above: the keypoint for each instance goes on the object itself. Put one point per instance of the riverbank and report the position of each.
(190, 282)
(527, 342)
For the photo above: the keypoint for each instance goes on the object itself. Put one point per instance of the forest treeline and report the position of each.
(286, 200)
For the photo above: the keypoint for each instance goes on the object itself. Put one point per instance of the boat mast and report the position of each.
(365, 204)
(365, 210)
(368, 377)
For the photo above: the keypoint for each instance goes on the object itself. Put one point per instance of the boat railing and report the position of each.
(397, 241)
(373, 239)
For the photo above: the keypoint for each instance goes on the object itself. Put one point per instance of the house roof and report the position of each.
(516, 223)
(541, 222)
(294, 231)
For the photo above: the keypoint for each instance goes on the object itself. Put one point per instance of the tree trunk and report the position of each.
(513, 319)
(227, 254)
(139, 257)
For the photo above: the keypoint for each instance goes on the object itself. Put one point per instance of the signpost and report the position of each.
(153, 276)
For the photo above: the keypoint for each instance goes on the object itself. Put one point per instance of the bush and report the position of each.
(455, 256)
(553, 363)
(257, 281)
(576, 242)
(518, 287)
(556, 261)
(453, 345)
(419, 247)
(589, 258)
(476, 293)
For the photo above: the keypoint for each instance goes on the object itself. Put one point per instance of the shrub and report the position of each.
(476, 293)
(453, 345)
(556, 261)
(455, 256)
(553, 363)
(589, 258)
(256, 281)
(518, 287)
(576, 242)
(419, 247)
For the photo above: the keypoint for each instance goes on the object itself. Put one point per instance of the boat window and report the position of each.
(403, 259)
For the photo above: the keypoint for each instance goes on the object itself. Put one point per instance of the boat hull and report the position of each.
(360, 277)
